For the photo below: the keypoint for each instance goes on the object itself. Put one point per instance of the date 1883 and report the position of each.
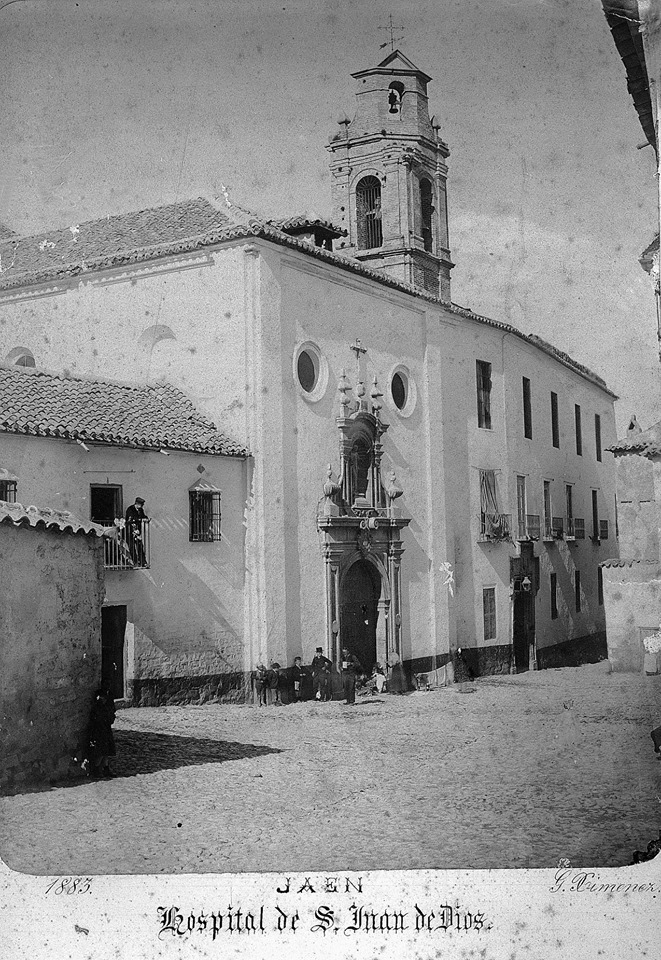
(69, 885)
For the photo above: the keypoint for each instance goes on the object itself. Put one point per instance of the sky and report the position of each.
(116, 105)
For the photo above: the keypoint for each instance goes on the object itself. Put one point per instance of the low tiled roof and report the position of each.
(645, 443)
(148, 416)
(620, 562)
(624, 20)
(60, 520)
(182, 228)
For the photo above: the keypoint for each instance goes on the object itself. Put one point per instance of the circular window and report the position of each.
(310, 371)
(307, 371)
(402, 390)
(399, 390)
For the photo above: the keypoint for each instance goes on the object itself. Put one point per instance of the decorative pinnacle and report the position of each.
(344, 387)
(376, 395)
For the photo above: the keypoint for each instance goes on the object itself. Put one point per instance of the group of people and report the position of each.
(317, 679)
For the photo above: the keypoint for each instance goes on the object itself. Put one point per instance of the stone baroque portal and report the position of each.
(360, 526)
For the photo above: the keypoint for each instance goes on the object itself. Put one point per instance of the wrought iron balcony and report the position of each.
(528, 527)
(558, 526)
(495, 526)
(569, 529)
(579, 528)
(129, 548)
(548, 529)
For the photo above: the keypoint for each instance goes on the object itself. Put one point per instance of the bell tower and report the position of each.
(388, 178)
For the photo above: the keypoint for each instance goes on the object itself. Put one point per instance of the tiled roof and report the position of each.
(620, 562)
(98, 243)
(184, 227)
(60, 520)
(305, 222)
(624, 20)
(148, 416)
(646, 443)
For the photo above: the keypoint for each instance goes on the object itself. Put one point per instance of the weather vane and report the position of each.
(392, 30)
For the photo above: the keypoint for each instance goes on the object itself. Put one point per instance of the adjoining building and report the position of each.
(50, 655)
(420, 480)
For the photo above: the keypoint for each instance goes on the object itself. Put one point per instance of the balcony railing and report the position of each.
(495, 526)
(579, 528)
(558, 528)
(129, 548)
(569, 529)
(528, 527)
(548, 529)
(603, 529)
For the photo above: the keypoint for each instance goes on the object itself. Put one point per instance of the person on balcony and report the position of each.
(135, 526)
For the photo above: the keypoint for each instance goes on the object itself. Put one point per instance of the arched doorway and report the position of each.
(359, 610)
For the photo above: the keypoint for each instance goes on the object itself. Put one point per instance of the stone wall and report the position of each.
(632, 597)
(50, 651)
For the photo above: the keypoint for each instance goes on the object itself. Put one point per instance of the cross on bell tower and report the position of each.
(388, 178)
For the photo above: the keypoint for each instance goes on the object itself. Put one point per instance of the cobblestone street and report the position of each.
(513, 771)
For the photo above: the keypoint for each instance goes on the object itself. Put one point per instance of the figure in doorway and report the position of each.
(135, 531)
(350, 669)
(100, 736)
(378, 679)
(321, 676)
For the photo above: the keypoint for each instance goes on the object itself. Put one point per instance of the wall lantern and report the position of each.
(526, 584)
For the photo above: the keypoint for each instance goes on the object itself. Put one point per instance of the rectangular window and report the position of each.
(595, 515)
(527, 409)
(106, 503)
(521, 506)
(8, 490)
(577, 589)
(204, 512)
(489, 612)
(554, 596)
(569, 502)
(600, 587)
(555, 429)
(483, 373)
(579, 431)
(548, 518)
(597, 435)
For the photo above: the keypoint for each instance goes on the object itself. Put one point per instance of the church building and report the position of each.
(400, 475)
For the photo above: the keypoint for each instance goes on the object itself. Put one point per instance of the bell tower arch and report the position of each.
(389, 178)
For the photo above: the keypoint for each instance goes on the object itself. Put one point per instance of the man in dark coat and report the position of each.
(350, 669)
(135, 517)
(321, 675)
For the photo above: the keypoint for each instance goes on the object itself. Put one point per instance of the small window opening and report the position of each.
(307, 371)
(368, 213)
(395, 94)
(8, 490)
(21, 357)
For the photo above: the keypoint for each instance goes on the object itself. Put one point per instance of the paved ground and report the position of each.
(509, 771)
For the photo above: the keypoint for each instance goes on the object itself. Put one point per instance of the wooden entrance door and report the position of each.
(113, 630)
(359, 599)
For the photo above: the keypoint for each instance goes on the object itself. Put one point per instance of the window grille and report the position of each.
(205, 515)
(8, 490)
(548, 520)
(579, 430)
(489, 612)
(368, 213)
(603, 529)
(483, 373)
(521, 507)
(579, 528)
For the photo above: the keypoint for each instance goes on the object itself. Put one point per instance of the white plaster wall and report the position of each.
(187, 608)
